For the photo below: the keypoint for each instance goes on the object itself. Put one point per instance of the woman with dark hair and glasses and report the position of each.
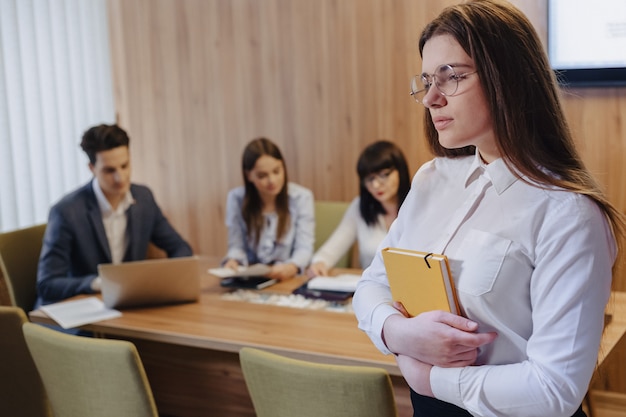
(270, 220)
(384, 183)
(530, 236)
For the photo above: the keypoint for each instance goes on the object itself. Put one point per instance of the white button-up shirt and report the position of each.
(115, 222)
(352, 227)
(532, 264)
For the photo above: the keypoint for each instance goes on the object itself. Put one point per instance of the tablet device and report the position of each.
(248, 282)
(335, 296)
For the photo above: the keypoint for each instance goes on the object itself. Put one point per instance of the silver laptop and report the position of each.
(150, 282)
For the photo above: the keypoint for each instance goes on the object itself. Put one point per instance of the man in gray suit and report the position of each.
(107, 220)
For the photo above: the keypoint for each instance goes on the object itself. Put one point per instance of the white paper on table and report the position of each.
(242, 271)
(342, 282)
(75, 313)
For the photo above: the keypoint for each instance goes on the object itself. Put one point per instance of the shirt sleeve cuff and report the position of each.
(444, 382)
(379, 316)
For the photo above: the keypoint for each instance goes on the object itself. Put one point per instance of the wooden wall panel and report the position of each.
(195, 80)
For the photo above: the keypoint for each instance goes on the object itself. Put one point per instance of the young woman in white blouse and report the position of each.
(384, 183)
(270, 220)
(530, 236)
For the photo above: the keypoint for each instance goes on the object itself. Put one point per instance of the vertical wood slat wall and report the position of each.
(195, 80)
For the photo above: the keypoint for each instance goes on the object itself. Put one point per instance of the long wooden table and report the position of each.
(190, 351)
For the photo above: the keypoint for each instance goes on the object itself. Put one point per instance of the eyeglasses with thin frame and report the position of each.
(380, 176)
(445, 79)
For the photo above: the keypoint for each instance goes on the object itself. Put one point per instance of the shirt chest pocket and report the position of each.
(481, 256)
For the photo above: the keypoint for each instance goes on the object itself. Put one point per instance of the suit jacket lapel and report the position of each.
(95, 218)
(133, 229)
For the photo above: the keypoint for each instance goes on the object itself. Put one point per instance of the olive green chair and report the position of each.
(19, 257)
(328, 214)
(286, 387)
(84, 376)
(21, 391)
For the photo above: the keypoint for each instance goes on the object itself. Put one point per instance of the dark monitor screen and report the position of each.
(587, 41)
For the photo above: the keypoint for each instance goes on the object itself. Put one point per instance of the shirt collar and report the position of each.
(103, 203)
(497, 172)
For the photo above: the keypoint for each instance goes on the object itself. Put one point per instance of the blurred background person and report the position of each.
(270, 220)
(384, 182)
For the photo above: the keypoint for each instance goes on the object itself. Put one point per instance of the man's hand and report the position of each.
(96, 285)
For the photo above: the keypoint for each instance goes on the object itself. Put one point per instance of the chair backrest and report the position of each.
(328, 214)
(84, 376)
(21, 391)
(19, 257)
(285, 387)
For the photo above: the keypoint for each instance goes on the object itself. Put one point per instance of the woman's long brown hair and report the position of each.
(252, 207)
(521, 90)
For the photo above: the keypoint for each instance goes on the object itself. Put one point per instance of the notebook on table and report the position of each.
(242, 271)
(150, 282)
(249, 282)
(250, 277)
(327, 295)
(336, 288)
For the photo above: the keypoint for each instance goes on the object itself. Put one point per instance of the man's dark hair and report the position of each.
(102, 138)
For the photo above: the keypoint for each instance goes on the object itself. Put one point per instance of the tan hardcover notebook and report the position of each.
(421, 281)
